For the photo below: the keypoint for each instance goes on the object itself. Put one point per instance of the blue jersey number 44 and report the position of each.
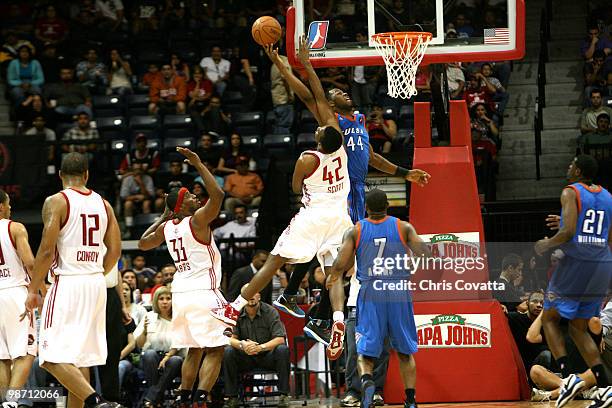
(351, 143)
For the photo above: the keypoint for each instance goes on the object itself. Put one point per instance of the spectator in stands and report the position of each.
(119, 74)
(595, 75)
(335, 77)
(213, 119)
(521, 323)
(476, 93)
(207, 151)
(382, 131)
(137, 312)
(40, 129)
(455, 79)
(227, 162)
(168, 94)
(258, 342)
(51, 29)
(510, 297)
(601, 136)
(588, 121)
(220, 180)
(148, 158)
(422, 83)
(217, 69)
(494, 86)
(13, 43)
(137, 192)
(242, 276)
(606, 341)
(282, 99)
(175, 16)
(30, 108)
(158, 280)
(140, 268)
(51, 63)
(199, 91)
(168, 272)
(179, 67)
(240, 227)
(82, 131)
(66, 97)
(463, 27)
(174, 178)
(110, 14)
(128, 276)
(153, 74)
(92, 73)
(160, 362)
(24, 75)
(482, 120)
(595, 41)
(241, 76)
(243, 187)
(362, 80)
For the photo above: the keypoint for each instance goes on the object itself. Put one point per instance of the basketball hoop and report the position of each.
(402, 53)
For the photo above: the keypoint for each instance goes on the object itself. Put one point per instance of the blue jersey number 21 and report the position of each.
(351, 143)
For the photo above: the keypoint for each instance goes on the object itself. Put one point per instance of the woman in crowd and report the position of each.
(227, 162)
(160, 362)
(482, 120)
(119, 73)
(32, 107)
(199, 90)
(24, 75)
(137, 312)
(179, 67)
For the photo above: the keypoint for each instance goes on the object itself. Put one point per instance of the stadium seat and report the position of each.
(142, 222)
(112, 134)
(307, 117)
(177, 122)
(149, 133)
(154, 143)
(62, 128)
(144, 122)
(152, 56)
(248, 119)
(306, 141)
(279, 144)
(307, 127)
(248, 130)
(138, 101)
(221, 142)
(173, 142)
(251, 141)
(120, 146)
(232, 97)
(406, 117)
(107, 112)
(107, 101)
(116, 123)
(390, 112)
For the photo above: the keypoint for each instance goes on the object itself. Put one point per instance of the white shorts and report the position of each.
(17, 338)
(73, 321)
(313, 231)
(192, 324)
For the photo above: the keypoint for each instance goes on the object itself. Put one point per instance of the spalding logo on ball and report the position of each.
(266, 30)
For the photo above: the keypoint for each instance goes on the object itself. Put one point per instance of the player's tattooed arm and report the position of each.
(569, 214)
(304, 166)
(294, 82)
(346, 255)
(112, 241)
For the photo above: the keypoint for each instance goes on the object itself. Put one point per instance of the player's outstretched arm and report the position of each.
(417, 176)
(206, 214)
(294, 82)
(54, 208)
(569, 214)
(326, 113)
(304, 166)
(346, 255)
(154, 235)
(19, 235)
(112, 241)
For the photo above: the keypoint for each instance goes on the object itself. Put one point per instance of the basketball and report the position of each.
(266, 30)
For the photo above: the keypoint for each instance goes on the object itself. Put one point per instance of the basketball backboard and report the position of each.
(339, 32)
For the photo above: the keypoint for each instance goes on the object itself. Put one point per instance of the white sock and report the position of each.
(239, 303)
(338, 316)
(129, 221)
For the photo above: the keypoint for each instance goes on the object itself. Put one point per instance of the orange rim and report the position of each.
(400, 35)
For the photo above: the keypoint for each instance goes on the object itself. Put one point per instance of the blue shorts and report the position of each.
(571, 309)
(378, 319)
(356, 202)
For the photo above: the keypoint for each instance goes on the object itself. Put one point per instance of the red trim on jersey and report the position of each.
(578, 202)
(399, 232)
(51, 304)
(89, 191)
(9, 233)
(67, 210)
(350, 117)
(211, 271)
(318, 163)
(358, 225)
(195, 237)
(378, 221)
(593, 189)
(54, 296)
(222, 302)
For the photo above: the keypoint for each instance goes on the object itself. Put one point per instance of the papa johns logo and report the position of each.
(453, 331)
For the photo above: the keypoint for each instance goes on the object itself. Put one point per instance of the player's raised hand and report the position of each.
(190, 157)
(418, 176)
(272, 53)
(553, 221)
(32, 302)
(303, 51)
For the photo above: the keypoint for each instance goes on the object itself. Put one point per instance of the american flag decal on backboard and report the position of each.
(496, 36)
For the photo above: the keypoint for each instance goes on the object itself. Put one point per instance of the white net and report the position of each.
(402, 53)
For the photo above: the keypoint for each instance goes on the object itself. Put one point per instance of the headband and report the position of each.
(179, 200)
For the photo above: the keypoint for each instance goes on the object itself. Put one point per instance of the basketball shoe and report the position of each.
(288, 304)
(603, 398)
(336, 344)
(569, 389)
(226, 314)
(319, 330)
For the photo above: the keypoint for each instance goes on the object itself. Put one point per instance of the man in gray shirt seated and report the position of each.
(258, 342)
